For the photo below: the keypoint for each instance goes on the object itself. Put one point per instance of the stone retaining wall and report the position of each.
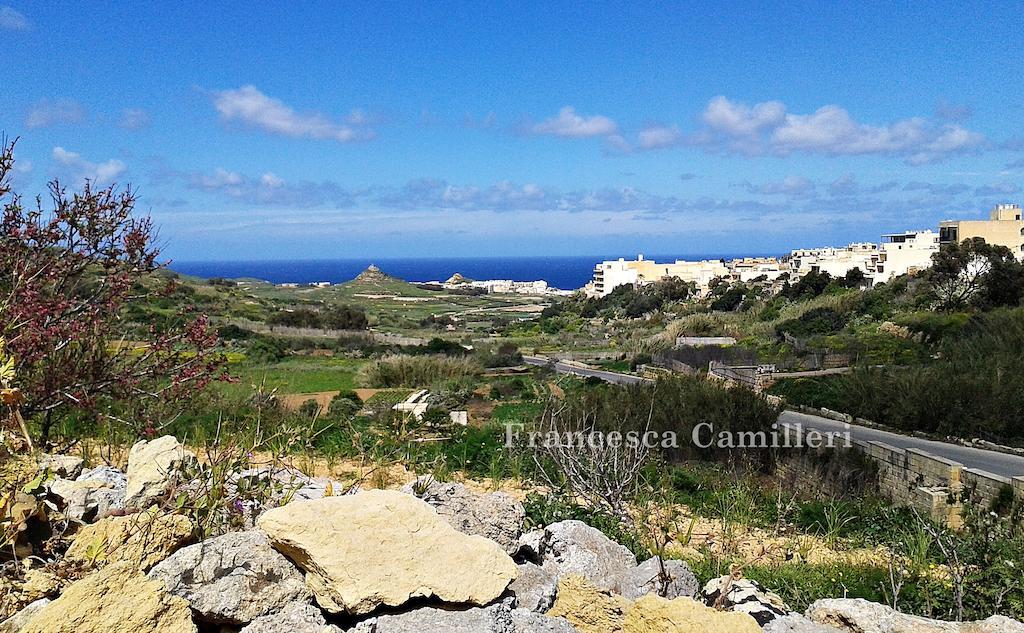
(931, 484)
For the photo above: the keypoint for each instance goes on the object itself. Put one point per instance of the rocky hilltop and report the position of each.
(430, 557)
(375, 275)
(458, 278)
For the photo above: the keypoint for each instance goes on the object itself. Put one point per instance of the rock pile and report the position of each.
(435, 557)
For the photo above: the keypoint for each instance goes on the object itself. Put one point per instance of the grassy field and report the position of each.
(298, 375)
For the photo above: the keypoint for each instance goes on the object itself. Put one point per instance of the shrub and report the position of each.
(265, 350)
(815, 321)
(416, 371)
(300, 317)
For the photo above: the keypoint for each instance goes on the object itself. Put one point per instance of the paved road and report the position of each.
(992, 461)
(569, 368)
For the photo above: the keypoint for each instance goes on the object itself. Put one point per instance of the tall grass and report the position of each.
(417, 371)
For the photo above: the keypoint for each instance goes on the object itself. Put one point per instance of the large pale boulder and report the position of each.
(573, 547)
(232, 579)
(744, 596)
(856, 615)
(650, 577)
(495, 515)
(653, 614)
(297, 617)
(152, 466)
(143, 539)
(384, 548)
(116, 599)
(534, 588)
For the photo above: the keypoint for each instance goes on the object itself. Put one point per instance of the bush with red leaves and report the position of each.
(67, 273)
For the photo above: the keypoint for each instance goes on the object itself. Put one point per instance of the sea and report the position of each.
(565, 272)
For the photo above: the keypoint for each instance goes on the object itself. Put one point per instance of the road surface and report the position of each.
(585, 372)
(991, 461)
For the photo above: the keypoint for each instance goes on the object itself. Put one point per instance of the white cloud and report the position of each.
(270, 180)
(220, 179)
(768, 128)
(568, 124)
(12, 20)
(251, 107)
(268, 188)
(133, 119)
(739, 119)
(659, 136)
(73, 165)
(44, 113)
(789, 186)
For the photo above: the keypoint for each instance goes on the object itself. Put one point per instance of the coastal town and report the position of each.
(905, 253)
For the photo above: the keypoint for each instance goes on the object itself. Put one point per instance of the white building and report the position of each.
(834, 261)
(905, 253)
(609, 275)
(751, 268)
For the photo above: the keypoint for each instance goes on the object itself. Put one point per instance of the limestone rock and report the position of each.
(87, 500)
(860, 616)
(534, 588)
(383, 548)
(496, 618)
(532, 622)
(108, 475)
(653, 614)
(16, 622)
(143, 539)
(94, 494)
(646, 578)
(796, 623)
(68, 466)
(297, 617)
(573, 547)
(233, 579)
(496, 516)
(152, 466)
(587, 608)
(116, 599)
(744, 596)
(530, 547)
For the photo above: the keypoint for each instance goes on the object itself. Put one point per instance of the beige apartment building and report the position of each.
(1004, 227)
(611, 274)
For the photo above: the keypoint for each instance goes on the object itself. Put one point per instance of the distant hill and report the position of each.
(373, 280)
(457, 278)
(372, 274)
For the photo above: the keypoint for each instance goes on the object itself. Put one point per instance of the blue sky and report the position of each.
(321, 130)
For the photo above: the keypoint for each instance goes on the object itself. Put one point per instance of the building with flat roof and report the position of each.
(904, 253)
(834, 261)
(610, 274)
(1005, 227)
